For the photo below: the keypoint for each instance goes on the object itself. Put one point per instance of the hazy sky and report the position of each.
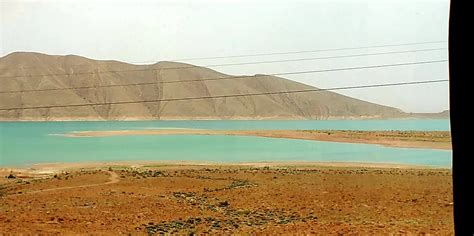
(137, 31)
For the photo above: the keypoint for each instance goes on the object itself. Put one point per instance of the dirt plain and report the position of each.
(234, 199)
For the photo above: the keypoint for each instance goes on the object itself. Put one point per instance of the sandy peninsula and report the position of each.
(405, 139)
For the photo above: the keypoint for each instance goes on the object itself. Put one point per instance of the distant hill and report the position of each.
(440, 115)
(18, 70)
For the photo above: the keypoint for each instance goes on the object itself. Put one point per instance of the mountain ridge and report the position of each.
(18, 70)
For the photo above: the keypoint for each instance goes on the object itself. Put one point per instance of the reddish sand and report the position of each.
(309, 199)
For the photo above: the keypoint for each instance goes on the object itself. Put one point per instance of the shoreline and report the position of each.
(243, 118)
(41, 169)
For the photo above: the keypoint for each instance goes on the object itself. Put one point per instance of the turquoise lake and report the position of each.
(26, 143)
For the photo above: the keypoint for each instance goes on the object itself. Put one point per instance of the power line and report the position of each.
(226, 78)
(227, 96)
(220, 65)
(314, 58)
(306, 51)
(278, 53)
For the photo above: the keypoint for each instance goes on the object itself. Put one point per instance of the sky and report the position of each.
(138, 31)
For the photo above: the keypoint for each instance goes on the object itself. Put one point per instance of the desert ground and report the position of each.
(251, 198)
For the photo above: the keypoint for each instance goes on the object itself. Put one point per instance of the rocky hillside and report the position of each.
(22, 72)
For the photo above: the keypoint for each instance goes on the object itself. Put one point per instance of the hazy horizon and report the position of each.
(141, 31)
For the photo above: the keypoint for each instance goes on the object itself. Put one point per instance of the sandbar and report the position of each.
(404, 139)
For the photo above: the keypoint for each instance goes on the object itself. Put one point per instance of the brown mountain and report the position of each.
(23, 71)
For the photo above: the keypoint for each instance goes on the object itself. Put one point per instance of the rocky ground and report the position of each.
(230, 199)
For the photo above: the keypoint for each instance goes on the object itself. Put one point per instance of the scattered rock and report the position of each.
(11, 176)
(223, 204)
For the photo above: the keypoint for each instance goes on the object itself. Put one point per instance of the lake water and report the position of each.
(25, 143)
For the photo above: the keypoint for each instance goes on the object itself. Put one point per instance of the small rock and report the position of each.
(11, 176)
(223, 204)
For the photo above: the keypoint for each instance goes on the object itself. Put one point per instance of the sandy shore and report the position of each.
(245, 198)
(43, 170)
(405, 139)
(56, 167)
